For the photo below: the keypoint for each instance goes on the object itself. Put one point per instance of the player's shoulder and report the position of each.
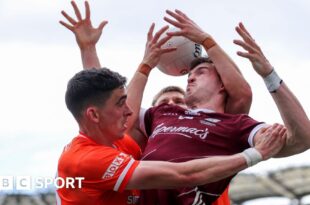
(166, 108)
(233, 116)
(128, 145)
(83, 150)
(234, 119)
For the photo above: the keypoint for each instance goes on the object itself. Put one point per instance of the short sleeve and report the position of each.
(248, 127)
(106, 169)
(146, 119)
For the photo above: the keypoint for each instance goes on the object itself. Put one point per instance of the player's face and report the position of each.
(114, 115)
(172, 98)
(203, 82)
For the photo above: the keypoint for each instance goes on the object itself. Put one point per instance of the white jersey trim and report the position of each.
(141, 121)
(123, 174)
(205, 110)
(253, 133)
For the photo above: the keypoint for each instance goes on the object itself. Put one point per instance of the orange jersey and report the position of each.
(106, 171)
(223, 199)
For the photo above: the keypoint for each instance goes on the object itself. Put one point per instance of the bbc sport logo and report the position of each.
(27, 183)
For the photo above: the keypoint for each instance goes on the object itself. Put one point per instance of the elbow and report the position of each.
(238, 106)
(239, 101)
(245, 103)
(246, 96)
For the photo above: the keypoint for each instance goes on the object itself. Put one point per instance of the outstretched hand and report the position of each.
(153, 48)
(269, 141)
(86, 35)
(254, 52)
(188, 28)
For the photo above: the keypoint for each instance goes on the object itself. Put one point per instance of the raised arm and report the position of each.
(292, 113)
(239, 91)
(156, 174)
(86, 35)
(152, 54)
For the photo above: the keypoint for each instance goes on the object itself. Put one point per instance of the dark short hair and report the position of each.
(167, 90)
(91, 87)
(198, 61)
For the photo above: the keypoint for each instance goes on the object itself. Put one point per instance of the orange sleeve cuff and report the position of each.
(128, 176)
(144, 69)
(208, 43)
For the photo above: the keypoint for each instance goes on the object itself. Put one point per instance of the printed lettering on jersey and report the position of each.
(210, 121)
(184, 131)
(181, 117)
(213, 120)
(133, 199)
(117, 162)
(191, 112)
(170, 114)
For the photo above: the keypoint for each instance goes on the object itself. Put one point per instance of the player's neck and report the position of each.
(96, 135)
(211, 104)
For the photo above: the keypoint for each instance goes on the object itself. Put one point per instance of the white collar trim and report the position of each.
(205, 110)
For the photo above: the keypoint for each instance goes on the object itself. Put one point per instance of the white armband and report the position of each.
(272, 81)
(252, 156)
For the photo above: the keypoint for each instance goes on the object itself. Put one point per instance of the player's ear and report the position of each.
(222, 88)
(92, 114)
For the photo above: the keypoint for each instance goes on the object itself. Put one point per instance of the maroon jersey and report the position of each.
(178, 135)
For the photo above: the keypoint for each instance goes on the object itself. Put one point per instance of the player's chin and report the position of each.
(122, 132)
(120, 135)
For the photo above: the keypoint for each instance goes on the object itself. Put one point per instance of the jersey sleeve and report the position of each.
(146, 119)
(106, 169)
(248, 127)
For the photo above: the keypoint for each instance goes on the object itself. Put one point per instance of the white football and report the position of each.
(178, 62)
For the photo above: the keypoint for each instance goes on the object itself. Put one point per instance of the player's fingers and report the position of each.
(176, 33)
(163, 40)
(102, 25)
(181, 13)
(241, 26)
(71, 20)
(173, 22)
(283, 131)
(244, 45)
(167, 50)
(246, 55)
(175, 15)
(159, 33)
(76, 11)
(246, 37)
(66, 25)
(150, 32)
(87, 10)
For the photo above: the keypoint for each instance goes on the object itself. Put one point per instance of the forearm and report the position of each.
(135, 92)
(166, 175)
(239, 92)
(216, 168)
(295, 119)
(90, 58)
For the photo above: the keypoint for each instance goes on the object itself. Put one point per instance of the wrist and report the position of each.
(208, 42)
(272, 81)
(88, 49)
(252, 156)
(144, 69)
